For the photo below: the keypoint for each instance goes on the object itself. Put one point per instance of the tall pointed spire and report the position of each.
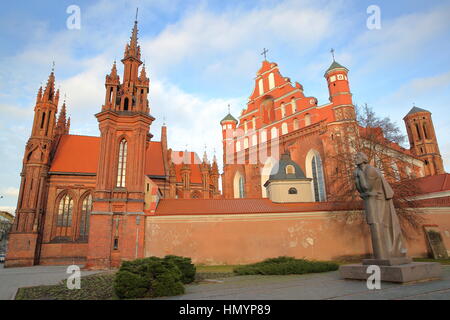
(133, 49)
(62, 116)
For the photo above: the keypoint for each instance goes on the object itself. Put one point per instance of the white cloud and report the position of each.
(9, 191)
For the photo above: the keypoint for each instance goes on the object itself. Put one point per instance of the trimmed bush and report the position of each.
(148, 277)
(285, 265)
(185, 265)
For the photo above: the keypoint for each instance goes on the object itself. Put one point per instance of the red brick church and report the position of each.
(99, 200)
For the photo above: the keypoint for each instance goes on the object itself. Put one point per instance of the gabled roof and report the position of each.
(76, 154)
(431, 184)
(79, 154)
(194, 165)
(415, 110)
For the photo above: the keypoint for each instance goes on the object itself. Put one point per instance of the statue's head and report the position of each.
(361, 158)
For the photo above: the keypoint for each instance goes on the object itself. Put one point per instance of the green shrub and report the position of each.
(148, 277)
(185, 265)
(285, 265)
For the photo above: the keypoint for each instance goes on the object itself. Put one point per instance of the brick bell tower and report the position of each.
(422, 140)
(117, 224)
(25, 234)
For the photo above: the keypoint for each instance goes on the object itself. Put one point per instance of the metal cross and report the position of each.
(228, 108)
(137, 10)
(264, 53)
(53, 66)
(332, 53)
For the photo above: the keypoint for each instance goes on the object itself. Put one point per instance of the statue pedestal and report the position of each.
(406, 272)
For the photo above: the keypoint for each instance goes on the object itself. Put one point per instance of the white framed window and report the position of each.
(238, 146)
(273, 133)
(271, 81)
(245, 143)
(283, 110)
(284, 128)
(307, 119)
(263, 136)
(296, 124)
(294, 105)
(332, 78)
(260, 87)
(254, 140)
(245, 126)
(122, 164)
(254, 123)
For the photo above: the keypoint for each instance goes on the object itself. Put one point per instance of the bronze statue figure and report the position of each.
(387, 239)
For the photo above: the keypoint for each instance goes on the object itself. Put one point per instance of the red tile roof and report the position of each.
(238, 206)
(79, 154)
(431, 184)
(154, 165)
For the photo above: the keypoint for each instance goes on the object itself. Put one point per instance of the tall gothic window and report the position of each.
(317, 173)
(122, 164)
(86, 209)
(65, 212)
(241, 187)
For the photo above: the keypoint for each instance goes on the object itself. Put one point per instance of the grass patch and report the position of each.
(284, 266)
(216, 269)
(93, 287)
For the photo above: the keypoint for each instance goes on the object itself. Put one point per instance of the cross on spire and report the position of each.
(137, 10)
(228, 108)
(53, 66)
(264, 53)
(332, 53)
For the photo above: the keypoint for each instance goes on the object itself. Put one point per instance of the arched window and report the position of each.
(283, 110)
(238, 185)
(314, 170)
(395, 171)
(271, 81)
(43, 120)
(65, 212)
(290, 169)
(86, 209)
(245, 143)
(294, 105)
(263, 136)
(292, 191)
(295, 124)
(238, 146)
(254, 140)
(273, 133)
(241, 187)
(284, 128)
(425, 131)
(254, 123)
(125, 104)
(418, 131)
(122, 164)
(245, 126)
(260, 86)
(307, 119)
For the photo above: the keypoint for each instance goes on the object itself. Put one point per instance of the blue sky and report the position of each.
(203, 55)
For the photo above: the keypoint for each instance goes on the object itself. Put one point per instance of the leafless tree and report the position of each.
(380, 139)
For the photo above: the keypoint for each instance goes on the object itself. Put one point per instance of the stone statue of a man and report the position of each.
(387, 239)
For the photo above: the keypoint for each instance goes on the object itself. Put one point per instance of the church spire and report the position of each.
(133, 50)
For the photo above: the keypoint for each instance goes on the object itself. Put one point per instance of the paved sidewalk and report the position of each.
(295, 287)
(13, 278)
(314, 286)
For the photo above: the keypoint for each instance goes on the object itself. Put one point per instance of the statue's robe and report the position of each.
(379, 208)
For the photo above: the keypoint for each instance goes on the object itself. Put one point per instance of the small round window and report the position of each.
(292, 191)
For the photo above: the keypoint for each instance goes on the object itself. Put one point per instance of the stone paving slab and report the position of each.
(314, 286)
(13, 278)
